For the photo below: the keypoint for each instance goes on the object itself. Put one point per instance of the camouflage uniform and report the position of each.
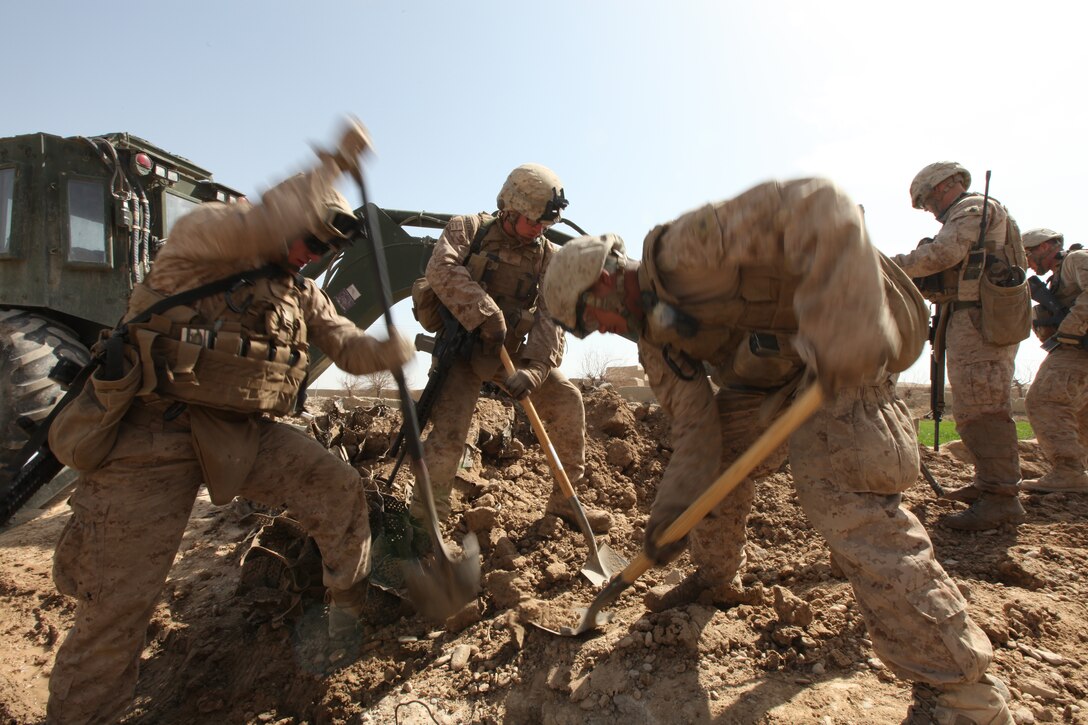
(557, 400)
(130, 513)
(1057, 400)
(789, 266)
(980, 373)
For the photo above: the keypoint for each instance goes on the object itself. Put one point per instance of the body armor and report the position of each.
(244, 351)
(1002, 250)
(744, 333)
(509, 271)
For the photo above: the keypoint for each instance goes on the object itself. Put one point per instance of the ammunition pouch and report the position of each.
(765, 360)
(85, 431)
(426, 307)
(225, 371)
(1006, 308)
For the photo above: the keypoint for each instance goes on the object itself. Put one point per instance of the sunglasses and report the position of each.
(316, 246)
(348, 228)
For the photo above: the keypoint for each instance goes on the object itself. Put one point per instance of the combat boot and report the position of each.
(974, 703)
(599, 520)
(967, 494)
(346, 607)
(989, 511)
(1060, 479)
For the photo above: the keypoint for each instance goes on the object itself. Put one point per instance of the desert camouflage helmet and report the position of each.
(929, 177)
(1034, 237)
(572, 270)
(337, 225)
(533, 191)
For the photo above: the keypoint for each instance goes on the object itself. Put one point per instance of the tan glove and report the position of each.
(661, 517)
(845, 365)
(493, 330)
(526, 380)
(393, 353)
(354, 141)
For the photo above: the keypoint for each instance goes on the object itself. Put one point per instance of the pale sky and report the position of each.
(645, 110)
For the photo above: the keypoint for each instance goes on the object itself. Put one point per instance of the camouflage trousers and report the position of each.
(850, 462)
(981, 378)
(1057, 405)
(557, 401)
(128, 518)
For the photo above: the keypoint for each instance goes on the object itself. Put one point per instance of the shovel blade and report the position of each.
(587, 624)
(441, 587)
(593, 617)
(603, 564)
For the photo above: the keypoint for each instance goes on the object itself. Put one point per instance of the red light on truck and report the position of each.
(142, 164)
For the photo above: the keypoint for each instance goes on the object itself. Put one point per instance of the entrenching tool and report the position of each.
(771, 439)
(443, 586)
(603, 562)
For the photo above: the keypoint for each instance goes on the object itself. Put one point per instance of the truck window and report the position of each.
(87, 221)
(7, 199)
(176, 208)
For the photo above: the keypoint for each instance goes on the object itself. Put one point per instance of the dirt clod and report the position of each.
(787, 646)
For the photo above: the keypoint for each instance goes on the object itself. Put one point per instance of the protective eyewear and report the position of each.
(347, 227)
(582, 326)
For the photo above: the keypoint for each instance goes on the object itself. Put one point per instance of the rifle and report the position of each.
(1041, 293)
(928, 475)
(451, 343)
(936, 369)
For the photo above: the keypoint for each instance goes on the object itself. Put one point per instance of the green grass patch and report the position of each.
(949, 433)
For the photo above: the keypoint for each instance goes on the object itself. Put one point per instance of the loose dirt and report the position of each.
(227, 646)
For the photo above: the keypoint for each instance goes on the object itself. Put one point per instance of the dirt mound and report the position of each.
(794, 652)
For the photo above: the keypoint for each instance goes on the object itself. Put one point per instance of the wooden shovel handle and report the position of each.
(772, 438)
(541, 434)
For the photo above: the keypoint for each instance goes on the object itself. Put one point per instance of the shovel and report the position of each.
(603, 562)
(442, 587)
(593, 617)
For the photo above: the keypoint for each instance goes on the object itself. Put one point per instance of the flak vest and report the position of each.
(1001, 244)
(244, 351)
(746, 332)
(509, 271)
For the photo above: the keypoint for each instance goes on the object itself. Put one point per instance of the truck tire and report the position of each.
(30, 346)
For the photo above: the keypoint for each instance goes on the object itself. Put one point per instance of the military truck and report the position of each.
(80, 221)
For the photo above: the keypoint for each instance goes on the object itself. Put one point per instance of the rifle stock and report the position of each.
(1046, 299)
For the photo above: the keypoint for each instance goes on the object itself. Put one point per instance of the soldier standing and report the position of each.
(1057, 400)
(215, 373)
(980, 372)
(485, 270)
(776, 285)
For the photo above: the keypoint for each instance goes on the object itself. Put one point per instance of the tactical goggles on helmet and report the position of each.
(347, 228)
(554, 207)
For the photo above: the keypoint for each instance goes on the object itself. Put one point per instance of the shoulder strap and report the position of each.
(478, 238)
(205, 290)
